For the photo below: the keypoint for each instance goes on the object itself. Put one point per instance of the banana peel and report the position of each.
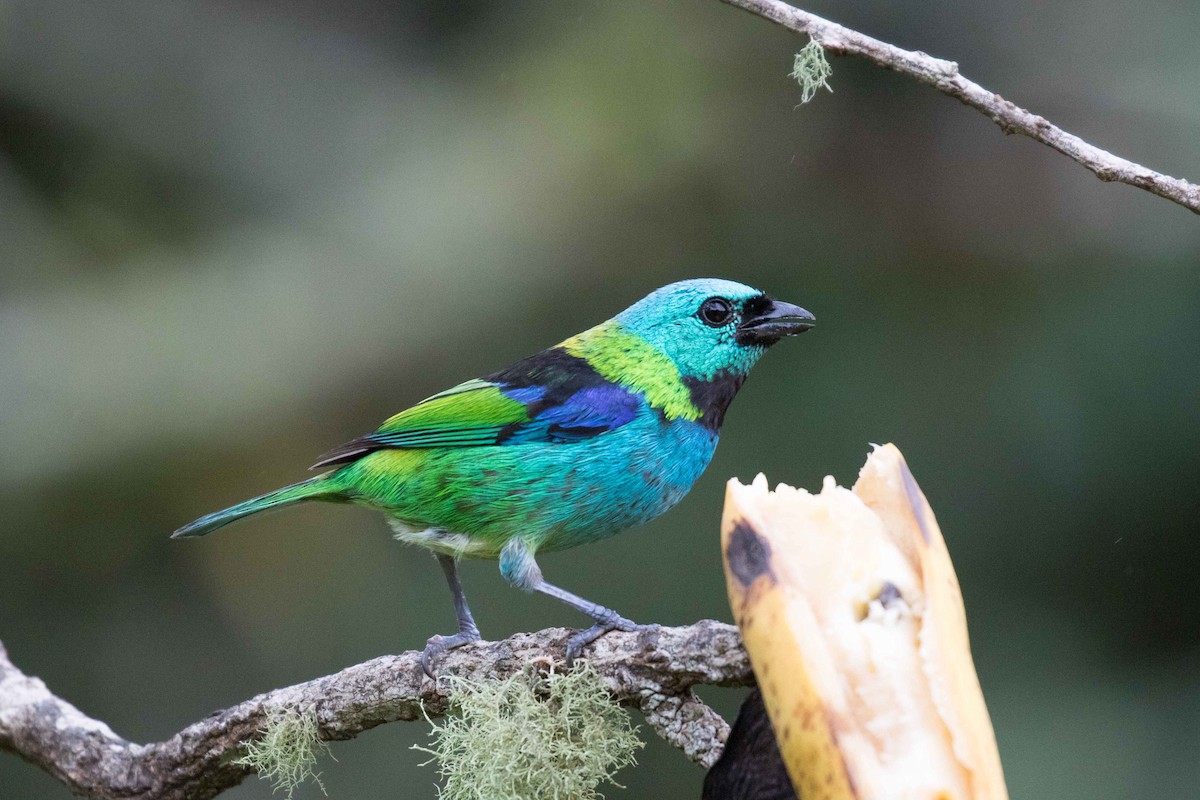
(852, 615)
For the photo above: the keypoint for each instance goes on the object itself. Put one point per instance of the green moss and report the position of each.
(287, 751)
(811, 70)
(550, 736)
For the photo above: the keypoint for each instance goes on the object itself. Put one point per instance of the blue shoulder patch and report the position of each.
(589, 412)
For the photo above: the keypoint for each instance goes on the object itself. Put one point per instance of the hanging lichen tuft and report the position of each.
(811, 70)
(286, 752)
(534, 735)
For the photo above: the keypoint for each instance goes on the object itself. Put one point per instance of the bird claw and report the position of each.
(585, 637)
(438, 644)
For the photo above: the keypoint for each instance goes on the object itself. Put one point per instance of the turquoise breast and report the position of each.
(643, 470)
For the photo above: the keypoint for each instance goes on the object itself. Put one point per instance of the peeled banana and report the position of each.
(852, 616)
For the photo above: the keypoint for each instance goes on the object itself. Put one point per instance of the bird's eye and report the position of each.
(715, 311)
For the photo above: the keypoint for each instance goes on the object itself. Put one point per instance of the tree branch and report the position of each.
(653, 670)
(945, 77)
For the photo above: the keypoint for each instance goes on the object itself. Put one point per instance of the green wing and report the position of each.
(550, 398)
(472, 414)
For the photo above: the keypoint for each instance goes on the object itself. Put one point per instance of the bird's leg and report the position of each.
(468, 631)
(519, 568)
(606, 619)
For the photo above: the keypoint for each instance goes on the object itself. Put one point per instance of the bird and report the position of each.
(602, 432)
(751, 766)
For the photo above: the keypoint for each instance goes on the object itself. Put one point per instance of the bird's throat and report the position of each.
(713, 396)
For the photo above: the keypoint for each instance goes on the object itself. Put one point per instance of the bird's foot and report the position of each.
(438, 644)
(585, 637)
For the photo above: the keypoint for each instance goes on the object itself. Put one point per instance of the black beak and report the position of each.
(767, 325)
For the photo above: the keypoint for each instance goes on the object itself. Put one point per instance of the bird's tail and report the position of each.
(318, 488)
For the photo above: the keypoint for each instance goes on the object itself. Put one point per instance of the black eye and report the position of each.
(715, 311)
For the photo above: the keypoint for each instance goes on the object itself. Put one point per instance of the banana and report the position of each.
(852, 615)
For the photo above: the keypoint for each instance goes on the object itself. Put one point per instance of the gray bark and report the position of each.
(653, 670)
(945, 77)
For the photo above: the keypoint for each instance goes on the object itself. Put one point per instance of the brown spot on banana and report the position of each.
(747, 555)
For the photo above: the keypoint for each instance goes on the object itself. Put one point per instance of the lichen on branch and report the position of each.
(532, 735)
(811, 70)
(286, 752)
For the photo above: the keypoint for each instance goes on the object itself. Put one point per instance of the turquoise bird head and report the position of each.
(712, 328)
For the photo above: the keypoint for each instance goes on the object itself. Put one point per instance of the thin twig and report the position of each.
(945, 77)
(653, 670)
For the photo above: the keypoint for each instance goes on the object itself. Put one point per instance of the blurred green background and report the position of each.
(236, 233)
